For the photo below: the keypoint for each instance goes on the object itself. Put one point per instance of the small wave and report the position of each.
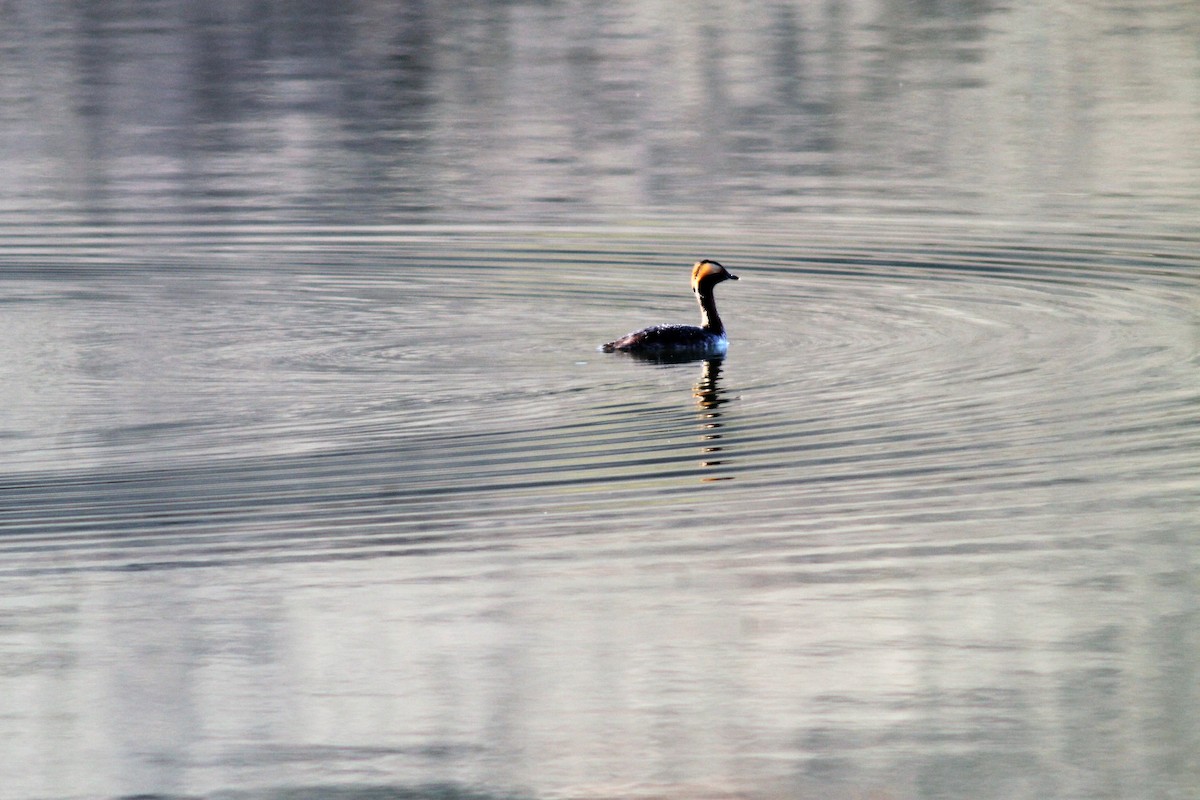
(399, 393)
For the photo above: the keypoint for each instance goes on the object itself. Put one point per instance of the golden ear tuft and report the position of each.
(706, 268)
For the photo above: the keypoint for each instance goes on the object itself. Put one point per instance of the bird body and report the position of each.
(709, 338)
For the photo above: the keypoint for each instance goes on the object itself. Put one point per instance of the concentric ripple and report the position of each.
(305, 396)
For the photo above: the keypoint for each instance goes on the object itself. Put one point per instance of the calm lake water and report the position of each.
(314, 485)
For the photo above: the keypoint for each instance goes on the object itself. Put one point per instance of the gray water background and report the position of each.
(312, 483)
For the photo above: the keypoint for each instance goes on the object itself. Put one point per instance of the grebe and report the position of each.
(708, 339)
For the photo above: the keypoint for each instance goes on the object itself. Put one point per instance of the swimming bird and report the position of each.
(665, 340)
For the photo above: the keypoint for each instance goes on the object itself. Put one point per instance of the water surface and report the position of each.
(314, 483)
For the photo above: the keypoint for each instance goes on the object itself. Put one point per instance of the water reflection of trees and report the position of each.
(392, 110)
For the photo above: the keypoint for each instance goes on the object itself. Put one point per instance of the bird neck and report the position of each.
(710, 320)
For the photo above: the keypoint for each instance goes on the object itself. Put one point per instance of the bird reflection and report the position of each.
(709, 399)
